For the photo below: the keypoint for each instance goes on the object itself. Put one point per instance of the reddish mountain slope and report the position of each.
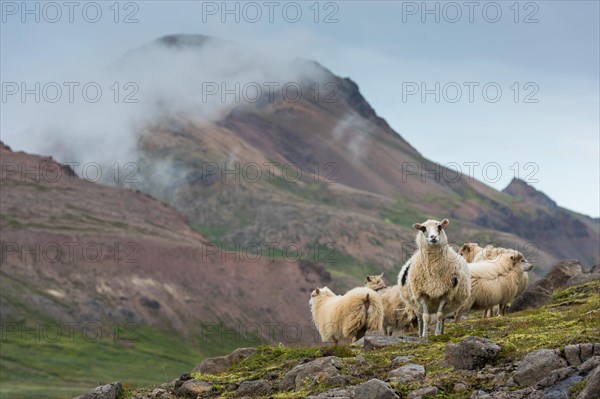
(128, 258)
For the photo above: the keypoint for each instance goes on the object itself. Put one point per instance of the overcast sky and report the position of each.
(542, 56)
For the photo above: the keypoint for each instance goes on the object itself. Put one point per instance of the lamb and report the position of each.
(495, 281)
(435, 277)
(395, 317)
(351, 315)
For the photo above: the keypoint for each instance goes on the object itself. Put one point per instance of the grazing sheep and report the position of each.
(495, 281)
(435, 277)
(346, 316)
(395, 317)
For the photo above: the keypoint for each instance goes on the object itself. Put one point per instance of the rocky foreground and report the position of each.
(552, 351)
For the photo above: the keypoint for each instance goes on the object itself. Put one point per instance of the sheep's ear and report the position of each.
(368, 278)
(445, 223)
(317, 291)
(465, 248)
(381, 275)
(417, 226)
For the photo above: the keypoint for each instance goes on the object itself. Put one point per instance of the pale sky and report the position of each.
(546, 52)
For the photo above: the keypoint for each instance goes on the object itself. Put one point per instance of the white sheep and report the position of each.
(490, 252)
(395, 317)
(495, 280)
(351, 315)
(472, 252)
(435, 277)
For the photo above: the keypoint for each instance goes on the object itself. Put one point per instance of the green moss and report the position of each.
(576, 389)
(128, 392)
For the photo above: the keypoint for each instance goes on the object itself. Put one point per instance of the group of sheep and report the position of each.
(435, 279)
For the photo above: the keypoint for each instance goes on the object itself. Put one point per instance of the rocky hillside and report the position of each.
(327, 169)
(76, 250)
(548, 352)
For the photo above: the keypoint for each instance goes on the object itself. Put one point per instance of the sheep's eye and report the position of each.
(423, 229)
(439, 227)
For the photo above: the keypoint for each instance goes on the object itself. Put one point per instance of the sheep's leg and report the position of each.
(425, 318)
(439, 326)
(458, 315)
(502, 310)
(420, 324)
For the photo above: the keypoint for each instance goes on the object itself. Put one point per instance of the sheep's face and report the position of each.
(375, 283)
(519, 260)
(433, 231)
(321, 292)
(469, 250)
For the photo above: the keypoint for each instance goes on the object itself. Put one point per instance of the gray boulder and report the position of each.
(108, 391)
(460, 387)
(536, 365)
(326, 370)
(471, 353)
(555, 377)
(336, 393)
(579, 353)
(376, 340)
(194, 387)
(592, 388)
(533, 297)
(407, 373)
(582, 279)
(527, 393)
(540, 293)
(218, 365)
(375, 389)
(589, 365)
(560, 273)
(398, 360)
(254, 388)
(423, 393)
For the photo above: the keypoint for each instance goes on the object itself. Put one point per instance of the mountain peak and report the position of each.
(520, 189)
(185, 40)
